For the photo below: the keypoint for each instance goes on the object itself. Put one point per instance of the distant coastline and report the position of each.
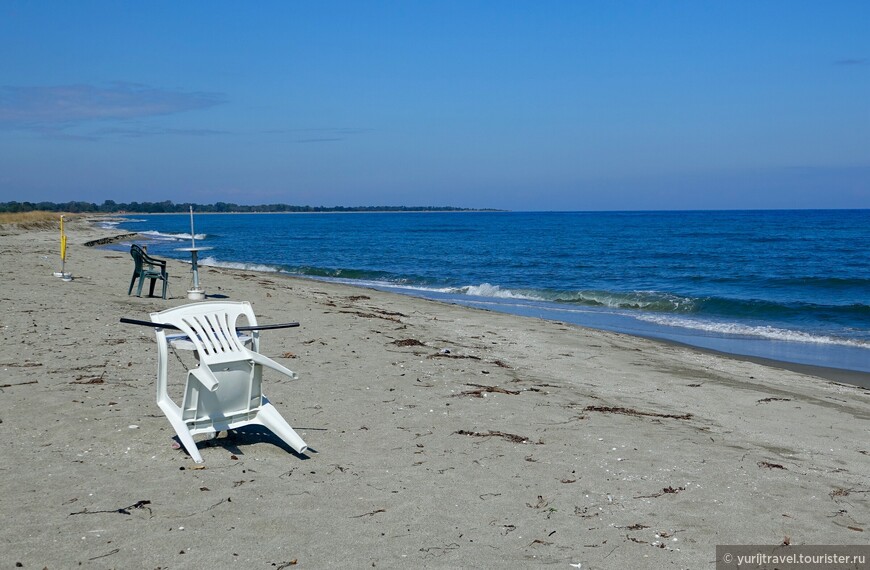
(169, 207)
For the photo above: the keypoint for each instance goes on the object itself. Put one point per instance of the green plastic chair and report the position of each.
(147, 267)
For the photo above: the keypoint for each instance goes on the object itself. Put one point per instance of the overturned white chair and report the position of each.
(224, 391)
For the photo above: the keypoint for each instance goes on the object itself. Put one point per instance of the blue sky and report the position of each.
(578, 105)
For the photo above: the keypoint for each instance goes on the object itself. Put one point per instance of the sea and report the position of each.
(790, 285)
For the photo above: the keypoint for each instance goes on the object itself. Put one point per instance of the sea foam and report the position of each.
(744, 330)
(172, 236)
(213, 262)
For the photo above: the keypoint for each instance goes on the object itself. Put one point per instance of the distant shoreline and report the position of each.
(196, 212)
(110, 207)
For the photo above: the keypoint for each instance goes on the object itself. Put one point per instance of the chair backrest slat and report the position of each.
(214, 341)
(212, 328)
(223, 332)
(201, 336)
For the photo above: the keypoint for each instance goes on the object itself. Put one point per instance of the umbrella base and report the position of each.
(196, 294)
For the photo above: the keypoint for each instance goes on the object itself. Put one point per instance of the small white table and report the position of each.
(196, 293)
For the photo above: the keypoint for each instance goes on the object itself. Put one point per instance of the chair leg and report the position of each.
(132, 282)
(186, 439)
(139, 289)
(151, 290)
(165, 285)
(269, 417)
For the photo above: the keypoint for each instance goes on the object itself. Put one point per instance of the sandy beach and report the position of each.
(439, 436)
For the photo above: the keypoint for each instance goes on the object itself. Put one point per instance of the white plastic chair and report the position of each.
(224, 391)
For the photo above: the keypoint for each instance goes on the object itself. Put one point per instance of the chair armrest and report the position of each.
(269, 363)
(153, 260)
(206, 378)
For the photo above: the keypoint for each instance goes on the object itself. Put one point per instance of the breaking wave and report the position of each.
(743, 330)
(163, 236)
(213, 262)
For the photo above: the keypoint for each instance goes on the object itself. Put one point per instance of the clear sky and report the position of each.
(524, 105)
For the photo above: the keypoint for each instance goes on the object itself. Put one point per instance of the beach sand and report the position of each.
(529, 443)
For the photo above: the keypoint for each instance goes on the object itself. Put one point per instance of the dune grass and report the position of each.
(34, 220)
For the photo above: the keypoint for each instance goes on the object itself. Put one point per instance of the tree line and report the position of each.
(169, 207)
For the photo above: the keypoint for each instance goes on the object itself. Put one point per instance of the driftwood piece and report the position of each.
(631, 412)
(480, 390)
(513, 438)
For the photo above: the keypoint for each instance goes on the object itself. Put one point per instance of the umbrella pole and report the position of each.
(192, 235)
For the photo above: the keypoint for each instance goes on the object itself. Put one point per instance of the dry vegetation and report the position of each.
(33, 220)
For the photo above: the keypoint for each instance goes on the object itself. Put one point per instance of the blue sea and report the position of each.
(787, 285)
